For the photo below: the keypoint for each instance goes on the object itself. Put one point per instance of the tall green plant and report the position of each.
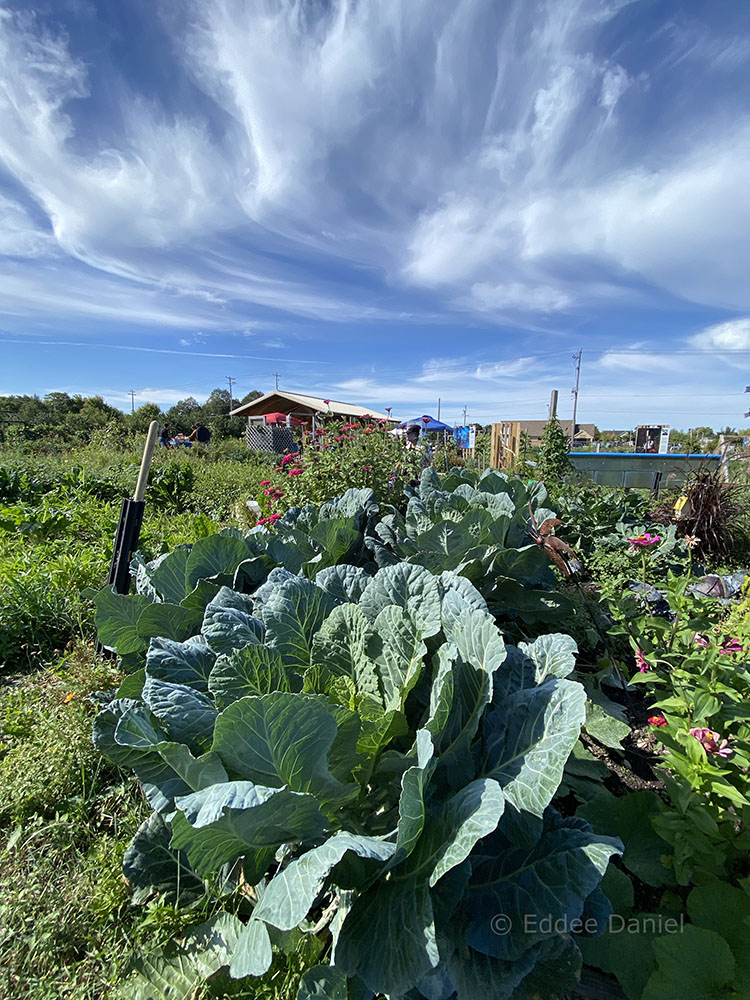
(554, 463)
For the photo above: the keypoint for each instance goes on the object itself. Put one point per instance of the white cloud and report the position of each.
(19, 235)
(615, 82)
(734, 335)
(535, 298)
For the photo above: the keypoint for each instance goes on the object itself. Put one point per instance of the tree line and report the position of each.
(73, 419)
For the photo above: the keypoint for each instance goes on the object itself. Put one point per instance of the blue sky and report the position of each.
(383, 201)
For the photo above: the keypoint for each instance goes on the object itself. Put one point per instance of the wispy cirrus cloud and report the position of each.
(504, 160)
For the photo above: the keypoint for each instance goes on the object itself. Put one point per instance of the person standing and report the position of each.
(418, 447)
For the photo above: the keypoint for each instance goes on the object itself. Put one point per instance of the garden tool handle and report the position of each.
(148, 453)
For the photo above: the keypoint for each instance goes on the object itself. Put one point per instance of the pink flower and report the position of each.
(388, 409)
(641, 662)
(657, 720)
(266, 482)
(731, 646)
(326, 401)
(701, 640)
(642, 541)
(274, 517)
(287, 459)
(425, 420)
(295, 472)
(263, 520)
(367, 468)
(269, 493)
(709, 740)
(341, 437)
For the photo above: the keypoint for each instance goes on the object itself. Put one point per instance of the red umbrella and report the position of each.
(281, 418)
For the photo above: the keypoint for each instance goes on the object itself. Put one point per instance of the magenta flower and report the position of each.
(644, 540)
(731, 646)
(326, 401)
(287, 459)
(367, 468)
(701, 640)
(274, 517)
(266, 482)
(388, 409)
(641, 662)
(657, 720)
(269, 493)
(709, 740)
(295, 472)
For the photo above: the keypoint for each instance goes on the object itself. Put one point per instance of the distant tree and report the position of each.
(253, 394)
(183, 414)
(553, 457)
(215, 415)
(94, 413)
(138, 422)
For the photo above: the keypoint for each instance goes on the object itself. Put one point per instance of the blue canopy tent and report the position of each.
(426, 423)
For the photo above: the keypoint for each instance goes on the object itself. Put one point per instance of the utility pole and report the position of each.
(438, 416)
(276, 376)
(132, 400)
(577, 359)
(231, 382)
(464, 416)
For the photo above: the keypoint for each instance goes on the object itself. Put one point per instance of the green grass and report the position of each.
(66, 816)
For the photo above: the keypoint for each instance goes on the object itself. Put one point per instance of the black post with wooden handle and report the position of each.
(129, 526)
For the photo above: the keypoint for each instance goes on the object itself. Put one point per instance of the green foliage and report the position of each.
(171, 484)
(352, 739)
(553, 464)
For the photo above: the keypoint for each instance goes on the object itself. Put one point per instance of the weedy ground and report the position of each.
(67, 928)
(66, 816)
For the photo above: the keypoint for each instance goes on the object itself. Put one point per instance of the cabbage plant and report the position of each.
(477, 526)
(361, 758)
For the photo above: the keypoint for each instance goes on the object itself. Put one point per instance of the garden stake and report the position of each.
(129, 527)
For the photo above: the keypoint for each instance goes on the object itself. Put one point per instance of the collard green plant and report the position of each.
(362, 758)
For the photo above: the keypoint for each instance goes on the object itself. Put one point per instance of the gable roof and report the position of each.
(535, 428)
(300, 403)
